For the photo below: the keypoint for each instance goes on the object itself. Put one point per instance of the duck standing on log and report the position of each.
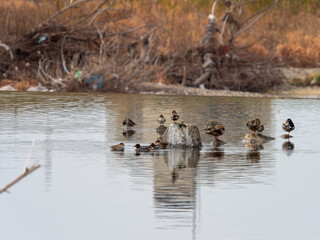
(216, 131)
(255, 125)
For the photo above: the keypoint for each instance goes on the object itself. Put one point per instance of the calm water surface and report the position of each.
(85, 191)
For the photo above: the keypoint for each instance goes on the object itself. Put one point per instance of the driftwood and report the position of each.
(27, 171)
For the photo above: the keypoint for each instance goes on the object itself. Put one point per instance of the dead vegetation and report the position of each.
(93, 49)
(112, 46)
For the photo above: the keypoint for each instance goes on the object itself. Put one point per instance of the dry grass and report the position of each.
(294, 37)
(289, 33)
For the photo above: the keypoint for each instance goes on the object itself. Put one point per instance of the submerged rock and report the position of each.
(256, 138)
(8, 88)
(182, 135)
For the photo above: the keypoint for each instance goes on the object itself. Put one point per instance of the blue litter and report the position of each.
(98, 81)
(43, 38)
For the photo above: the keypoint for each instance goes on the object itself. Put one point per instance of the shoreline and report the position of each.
(288, 91)
(168, 90)
(285, 90)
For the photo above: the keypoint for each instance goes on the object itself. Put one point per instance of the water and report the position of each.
(85, 191)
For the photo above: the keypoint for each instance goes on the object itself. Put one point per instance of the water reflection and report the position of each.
(128, 133)
(73, 134)
(253, 154)
(217, 153)
(288, 147)
(175, 186)
(161, 129)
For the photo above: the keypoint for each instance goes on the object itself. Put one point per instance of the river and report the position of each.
(84, 191)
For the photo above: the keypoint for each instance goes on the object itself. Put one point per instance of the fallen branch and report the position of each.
(27, 170)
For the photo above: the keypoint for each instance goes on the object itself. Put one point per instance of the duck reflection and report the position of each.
(288, 147)
(128, 133)
(217, 153)
(161, 129)
(253, 155)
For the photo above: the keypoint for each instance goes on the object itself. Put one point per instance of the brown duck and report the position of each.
(288, 126)
(118, 147)
(129, 123)
(216, 131)
(255, 125)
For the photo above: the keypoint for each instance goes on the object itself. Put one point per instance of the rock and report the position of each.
(182, 135)
(256, 138)
(38, 88)
(8, 88)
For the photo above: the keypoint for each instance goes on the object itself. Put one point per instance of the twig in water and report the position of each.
(27, 170)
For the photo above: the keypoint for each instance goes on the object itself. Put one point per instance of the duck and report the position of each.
(211, 124)
(154, 147)
(161, 144)
(161, 120)
(140, 148)
(129, 123)
(260, 129)
(118, 147)
(255, 125)
(175, 116)
(216, 131)
(182, 124)
(288, 126)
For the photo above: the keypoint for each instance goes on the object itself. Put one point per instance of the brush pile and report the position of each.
(95, 49)
(92, 45)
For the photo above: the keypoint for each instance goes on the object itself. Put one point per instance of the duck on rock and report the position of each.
(255, 125)
(216, 131)
(174, 116)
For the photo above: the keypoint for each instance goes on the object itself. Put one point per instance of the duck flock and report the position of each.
(213, 128)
